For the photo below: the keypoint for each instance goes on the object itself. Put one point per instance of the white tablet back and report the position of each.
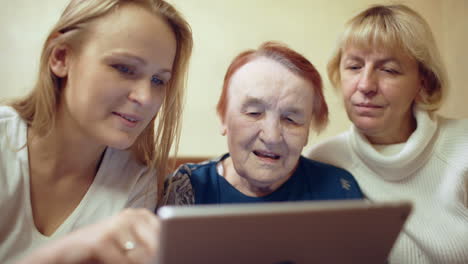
(281, 233)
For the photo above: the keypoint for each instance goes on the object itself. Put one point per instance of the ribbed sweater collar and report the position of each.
(412, 156)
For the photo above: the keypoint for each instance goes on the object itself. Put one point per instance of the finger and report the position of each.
(110, 253)
(80, 247)
(148, 234)
(148, 229)
(145, 242)
(110, 247)
(136, 227)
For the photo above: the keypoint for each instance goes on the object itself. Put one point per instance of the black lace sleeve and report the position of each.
(178, 188)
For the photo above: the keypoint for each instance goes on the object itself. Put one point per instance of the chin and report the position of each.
(120, 142)
(366, 123)
(367, 130)
(265, 179)
(120, 146)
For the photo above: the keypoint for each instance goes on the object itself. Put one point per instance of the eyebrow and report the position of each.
(252, 101)
(379, 61)
(136, 59)
(255, 101)
(294, 111)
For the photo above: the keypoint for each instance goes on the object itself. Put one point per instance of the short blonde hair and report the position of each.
(152, 149)
(396, 27)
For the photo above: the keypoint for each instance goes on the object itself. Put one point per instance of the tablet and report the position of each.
(351, 231)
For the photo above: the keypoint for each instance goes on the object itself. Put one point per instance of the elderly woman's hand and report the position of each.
(129, 237)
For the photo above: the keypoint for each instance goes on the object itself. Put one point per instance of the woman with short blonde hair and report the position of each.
(392, 80)
(396, 27)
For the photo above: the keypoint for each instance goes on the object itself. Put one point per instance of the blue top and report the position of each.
(312, 180)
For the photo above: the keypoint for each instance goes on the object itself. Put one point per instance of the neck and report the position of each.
(63, 152)
(398, 134)
(416, 151)
(246, 185)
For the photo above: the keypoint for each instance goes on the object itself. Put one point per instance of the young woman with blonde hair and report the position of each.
(94, 135)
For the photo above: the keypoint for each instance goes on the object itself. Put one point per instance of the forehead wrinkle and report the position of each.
(263, 73)
(381, 60)
(381, 56)
(285, 90)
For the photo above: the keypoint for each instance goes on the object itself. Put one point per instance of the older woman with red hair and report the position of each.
(271, 99)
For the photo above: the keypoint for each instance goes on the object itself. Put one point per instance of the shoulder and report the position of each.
(324, 169)
(137, 183)
(334, 151)
(330, 178)
(7, 112)
(179, 186)
(452, 149)
(453, 139)
(8, 115)
(197, 168)
(197, 172)
(453, 127)
(13, 129)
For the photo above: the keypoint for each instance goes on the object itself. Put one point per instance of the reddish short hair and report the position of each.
(293, 61)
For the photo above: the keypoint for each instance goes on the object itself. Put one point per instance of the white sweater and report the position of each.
(431, 170)
(120, 182)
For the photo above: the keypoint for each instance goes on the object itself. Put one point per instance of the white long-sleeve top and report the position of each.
(430, 169)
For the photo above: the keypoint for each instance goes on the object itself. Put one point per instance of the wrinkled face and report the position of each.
(117, 81)
(379, 87)
(267, 121)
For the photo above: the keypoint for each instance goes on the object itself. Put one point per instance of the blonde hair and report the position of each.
(396, 27)
(152, 149)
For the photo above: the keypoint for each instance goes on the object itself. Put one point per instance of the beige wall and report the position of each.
(223, 28)
(455, 52)
(23, 25)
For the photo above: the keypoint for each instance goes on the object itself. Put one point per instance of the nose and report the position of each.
(367, 82)
(141, 93)
(271, 131)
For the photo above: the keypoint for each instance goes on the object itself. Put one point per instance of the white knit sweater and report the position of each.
(431, 170)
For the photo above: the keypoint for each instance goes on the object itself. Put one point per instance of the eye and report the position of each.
(290, 120)
(391, 71)
(122, 69)
(353, 67)
(253, 114)
(156, 80)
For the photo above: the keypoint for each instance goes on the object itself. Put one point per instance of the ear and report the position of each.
(223, 128)
(423, 83)
(306, 141)
(421, 95)
(59, 60)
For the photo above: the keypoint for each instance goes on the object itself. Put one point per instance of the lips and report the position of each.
(130, 118)
(368, 105)
(267, 154)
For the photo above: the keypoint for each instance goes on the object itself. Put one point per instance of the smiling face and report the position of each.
(379, 87)
(267, 122)
(115, 82)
